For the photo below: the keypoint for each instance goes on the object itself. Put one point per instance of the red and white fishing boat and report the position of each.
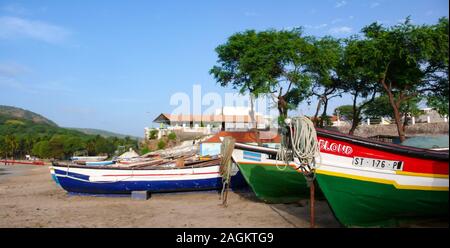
(371, 183)
(366, 182)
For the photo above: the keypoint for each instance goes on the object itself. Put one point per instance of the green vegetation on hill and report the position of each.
(102, 133)
(18, 113)
(23, 132)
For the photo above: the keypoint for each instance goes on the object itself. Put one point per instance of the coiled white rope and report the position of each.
(303, 144)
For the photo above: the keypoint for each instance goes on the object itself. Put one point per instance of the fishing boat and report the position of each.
(165, 177)
(89, 158)
(101, 163)
(366, 183)
(371, 183)
(273, 181)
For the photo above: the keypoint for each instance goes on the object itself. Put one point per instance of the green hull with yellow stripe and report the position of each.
(275, 184)
(365, 203)
(408, 184)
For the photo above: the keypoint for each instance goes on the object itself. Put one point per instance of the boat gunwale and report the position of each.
(365, 142)
(196, 164)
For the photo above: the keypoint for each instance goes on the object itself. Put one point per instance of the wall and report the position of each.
(391, 129)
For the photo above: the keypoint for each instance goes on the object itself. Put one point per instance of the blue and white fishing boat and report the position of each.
(192, 176)
(100, 163)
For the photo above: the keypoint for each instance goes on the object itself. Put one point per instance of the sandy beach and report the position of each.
(29, 198)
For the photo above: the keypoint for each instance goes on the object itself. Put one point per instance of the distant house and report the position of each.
(223, 119)
(429, 115)
(225, 122)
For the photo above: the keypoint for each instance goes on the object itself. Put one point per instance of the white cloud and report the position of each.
(340, 4)
(374, 5)
(323, 25)
(341, 30)
(351, 17)
(336, 20)
(15, 27)
(429, 12)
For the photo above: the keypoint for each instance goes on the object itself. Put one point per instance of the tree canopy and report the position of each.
(267, 62)
(399, 65)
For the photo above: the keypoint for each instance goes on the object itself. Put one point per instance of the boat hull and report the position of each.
(376, 194)
(124, 181)
(365, 203)
(413, 186)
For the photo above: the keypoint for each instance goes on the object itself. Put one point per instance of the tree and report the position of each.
(161, 144)
(381, 107)
(56, 145)
(438, 97)
(3, 148)
(356, 78)
(345, 112)
(323, 65)
(406, 60)
(90, 147)
(11, 145)
(41, 149)
(266, 63)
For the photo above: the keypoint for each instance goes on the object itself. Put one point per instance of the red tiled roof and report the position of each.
(332, 118)
(209, 118)
(246, 137)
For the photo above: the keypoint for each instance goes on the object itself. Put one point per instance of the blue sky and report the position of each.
(114, 65)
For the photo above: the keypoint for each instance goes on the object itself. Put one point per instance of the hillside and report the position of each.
(21, 123)
(103, 133)
(23, 132)
(14, 113)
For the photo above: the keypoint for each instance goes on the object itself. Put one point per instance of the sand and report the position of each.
(30, 198)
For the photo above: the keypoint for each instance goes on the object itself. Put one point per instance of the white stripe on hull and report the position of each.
(111, 175)
(344, 165)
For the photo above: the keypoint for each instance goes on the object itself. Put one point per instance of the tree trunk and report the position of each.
(315, 120)
(395, 107)
(282, 108)
(355, 117)
(401, 133)
(405, 122)
(324, 113)
(253, 119)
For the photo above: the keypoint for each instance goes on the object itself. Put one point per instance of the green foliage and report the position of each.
(22, 114)
(161, 144)
(172, 136)
(144, 150)
(153, 134)
(14, 122)
(381, 107)
(266, 62)
(345, 112)
(50, 141)
(42, 149)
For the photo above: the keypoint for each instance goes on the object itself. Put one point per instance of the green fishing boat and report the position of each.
(272, 181)
(366, 183)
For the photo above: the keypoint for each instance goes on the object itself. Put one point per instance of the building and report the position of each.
(226, 118)
(429, 115)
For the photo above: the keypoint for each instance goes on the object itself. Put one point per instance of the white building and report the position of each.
(225, 119)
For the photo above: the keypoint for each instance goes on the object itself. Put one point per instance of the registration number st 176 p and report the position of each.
(381, 164)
